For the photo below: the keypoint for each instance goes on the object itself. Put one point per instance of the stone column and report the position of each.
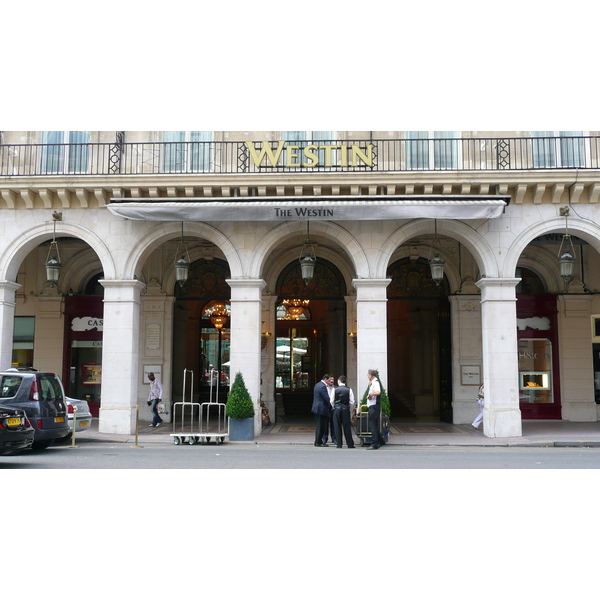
(501, 416)
(245, 332)
(371, 330)
(120, 355)
(7, 321)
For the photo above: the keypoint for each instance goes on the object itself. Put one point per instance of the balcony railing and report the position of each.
(381, 155)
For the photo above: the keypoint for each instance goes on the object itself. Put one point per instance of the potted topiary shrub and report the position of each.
(240, 411)
(362, 423)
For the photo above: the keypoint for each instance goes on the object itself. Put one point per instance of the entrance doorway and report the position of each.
(311, 334)
(201, 332)
(419, 344)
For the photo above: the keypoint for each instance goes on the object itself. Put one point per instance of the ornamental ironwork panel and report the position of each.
(206, 279)
(413, 280)
(503, 154)
(327, 282)
(116, 151)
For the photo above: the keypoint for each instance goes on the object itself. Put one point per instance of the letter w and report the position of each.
(266, 149)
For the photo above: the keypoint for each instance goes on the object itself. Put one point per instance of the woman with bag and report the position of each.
(479, 418)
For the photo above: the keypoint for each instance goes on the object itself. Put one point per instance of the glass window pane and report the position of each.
(535, 371)
(52, 151)
(417, 150)
(544, 154)
(78, 151)
(445, 149)
(571, 149)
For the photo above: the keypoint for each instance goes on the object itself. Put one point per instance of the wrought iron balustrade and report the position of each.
(375, 155)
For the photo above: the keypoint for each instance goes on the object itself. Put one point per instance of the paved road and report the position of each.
(119, 455)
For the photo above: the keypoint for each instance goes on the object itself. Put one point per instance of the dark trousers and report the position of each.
(341, 421)
(321, 424)
(375, 426)
(331, 428)
(155, 419)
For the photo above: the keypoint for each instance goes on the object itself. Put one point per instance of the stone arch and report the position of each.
(79, 269)
(18, 249)
(584, 228)
(326, 229)
(465, 234)
(544, 264)
(168, 231)
(274, 269)
(450, 271)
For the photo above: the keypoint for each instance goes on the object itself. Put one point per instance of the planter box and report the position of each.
(241, 430)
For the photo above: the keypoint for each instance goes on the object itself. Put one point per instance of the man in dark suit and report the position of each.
(322, 407)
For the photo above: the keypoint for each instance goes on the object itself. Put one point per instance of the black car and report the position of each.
(42, 397)
(16, 432)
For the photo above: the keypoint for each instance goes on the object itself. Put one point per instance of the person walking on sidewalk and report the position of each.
(154, 398)
(342, 402)
(374, 407)
(479, 418)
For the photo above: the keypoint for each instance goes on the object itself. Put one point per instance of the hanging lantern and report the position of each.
(52, 264)
(308, 258)
(182, 265)
(182, 269)
(436, 264)
(566, 261)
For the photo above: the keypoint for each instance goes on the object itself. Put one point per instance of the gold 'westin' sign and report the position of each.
(311, 155)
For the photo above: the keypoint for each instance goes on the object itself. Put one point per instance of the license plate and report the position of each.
(59, 420)
(13, 422)
(82, 423)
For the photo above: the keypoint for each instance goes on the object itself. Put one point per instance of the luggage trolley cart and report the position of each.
(191, 406)
(362, 426)
(213, 408)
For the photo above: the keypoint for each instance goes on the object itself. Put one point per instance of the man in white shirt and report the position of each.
(374, 407)
(154, 397)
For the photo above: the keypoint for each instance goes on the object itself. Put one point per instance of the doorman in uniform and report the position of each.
(374, 407)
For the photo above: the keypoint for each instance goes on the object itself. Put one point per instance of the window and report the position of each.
(10, 386)
(430, 150)
(553, 149)
(187, 151)
(65, 151)
(535, 371)
(23, 334)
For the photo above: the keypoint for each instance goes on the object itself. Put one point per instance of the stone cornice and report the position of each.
(86, 191)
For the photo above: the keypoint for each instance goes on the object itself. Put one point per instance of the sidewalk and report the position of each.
(535, 433)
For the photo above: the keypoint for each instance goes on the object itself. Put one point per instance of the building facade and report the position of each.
(118, 210)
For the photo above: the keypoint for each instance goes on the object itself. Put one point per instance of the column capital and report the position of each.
(371, 289)
(246, 290)
(363, 283)
(122, 290)
(487, 282)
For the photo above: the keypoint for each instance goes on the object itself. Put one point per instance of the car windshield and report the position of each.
(50, 388)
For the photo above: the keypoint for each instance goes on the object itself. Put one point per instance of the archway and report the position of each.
(419, 343)
(201, 343)
(310, 333)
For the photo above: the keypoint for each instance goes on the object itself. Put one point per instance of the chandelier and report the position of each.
(295, 308)
(219, 315)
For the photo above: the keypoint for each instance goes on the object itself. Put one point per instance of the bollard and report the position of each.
(137, 415)
(74, 427)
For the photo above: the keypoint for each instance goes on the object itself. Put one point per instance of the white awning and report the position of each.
(326, 208)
